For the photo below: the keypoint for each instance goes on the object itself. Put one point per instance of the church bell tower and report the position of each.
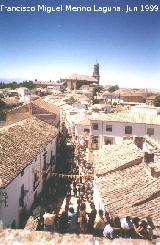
(96, 72)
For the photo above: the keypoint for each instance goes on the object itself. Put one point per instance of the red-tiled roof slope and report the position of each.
(131, 192)
(46, 106)
(20, 143)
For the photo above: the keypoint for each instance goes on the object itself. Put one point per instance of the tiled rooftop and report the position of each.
(82, 77)
(116, 156)
(46, 106)
(131, 191)
(20, 143)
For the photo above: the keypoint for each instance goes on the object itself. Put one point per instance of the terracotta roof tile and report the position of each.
(82, 78)
(20, 143)
(116, 156)
(46, 106)
(131, 191)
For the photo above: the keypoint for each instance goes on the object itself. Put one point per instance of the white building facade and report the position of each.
(104, 132)
(20, 191)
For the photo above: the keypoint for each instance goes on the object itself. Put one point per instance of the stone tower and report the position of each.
(96, 72)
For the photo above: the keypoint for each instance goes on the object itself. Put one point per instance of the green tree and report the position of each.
(2, 112)
(95, 101)
(157, 101)
(2, 105)
(71, 100)
(97, 89)
(114, 103)
(14, 85)
(2, 116)
(113, 88)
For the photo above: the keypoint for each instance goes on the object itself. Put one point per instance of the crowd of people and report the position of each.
(98, 224)
(78, 219)
(82, 186)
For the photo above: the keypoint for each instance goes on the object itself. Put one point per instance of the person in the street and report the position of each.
(49, 220)
(82, 219)
(143, 230)
(108, 231)
(63, 222)
(117, 227)
(75, 191)
(92, 216)
(72, 217)
(127, 227)
(99, 224)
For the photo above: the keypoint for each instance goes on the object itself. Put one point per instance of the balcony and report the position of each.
(21, 201)
(35, 184)
(46, 170)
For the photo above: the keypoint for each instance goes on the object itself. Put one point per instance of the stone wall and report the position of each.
(9, 237)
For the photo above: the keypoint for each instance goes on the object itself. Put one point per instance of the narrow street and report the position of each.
(72, 185)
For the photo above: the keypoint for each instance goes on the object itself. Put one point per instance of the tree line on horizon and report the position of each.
(14, 85)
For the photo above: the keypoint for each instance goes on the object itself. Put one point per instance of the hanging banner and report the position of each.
(64, 175)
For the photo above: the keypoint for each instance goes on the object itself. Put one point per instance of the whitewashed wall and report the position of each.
(97, 197)
(11, 212)
(79, 129)
(118, 131)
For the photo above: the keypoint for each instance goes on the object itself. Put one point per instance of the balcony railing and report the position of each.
(46, 170)
(35, 184)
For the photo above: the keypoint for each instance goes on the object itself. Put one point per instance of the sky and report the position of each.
(51, 46)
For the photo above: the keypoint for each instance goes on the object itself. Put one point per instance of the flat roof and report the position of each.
(128, 116)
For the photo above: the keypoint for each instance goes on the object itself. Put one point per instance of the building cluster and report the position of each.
(15, 96)
(121, 134)
(104, 129)
(73, 82)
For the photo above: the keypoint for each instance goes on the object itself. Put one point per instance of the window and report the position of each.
(86, 130)
(128, 138)
(95, 126)
(94, 142)
(109, 128)
(128, 129)
(21, 199)
(22, 191)
(22, 172)
(52, 160)
(36, 177)
(13, 225)
(108, 140)
(35, 182)
(45, 161)
(35, 196)
(150, 131)
(95, 139)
